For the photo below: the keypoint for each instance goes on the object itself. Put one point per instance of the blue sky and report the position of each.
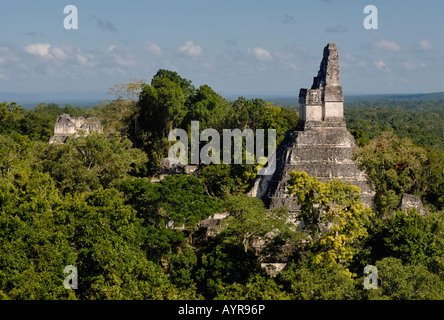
(235, 46)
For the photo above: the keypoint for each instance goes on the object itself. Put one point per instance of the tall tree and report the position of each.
(128, 91)
(10, 116)
(161, 105)
(207, 107)
(185, 84)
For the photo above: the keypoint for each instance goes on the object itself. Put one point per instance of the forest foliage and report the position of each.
(90, 203)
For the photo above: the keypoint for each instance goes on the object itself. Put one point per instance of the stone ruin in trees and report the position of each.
(66, 126)
(320, 144)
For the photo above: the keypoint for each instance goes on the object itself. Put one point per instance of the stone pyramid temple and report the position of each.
(320, 144)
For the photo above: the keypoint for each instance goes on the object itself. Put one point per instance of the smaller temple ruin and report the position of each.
(409, 201)
(67, 126)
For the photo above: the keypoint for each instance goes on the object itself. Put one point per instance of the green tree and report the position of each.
(35, 233)
(48, 109)
(396, 166)
(86, 163)
(410, 237)
(251, 225)
(360, 137)
(246, 114)
(185, 84)
(234, 179)
(37, 125)
(405, 282)
(305, 281)
(161, 106)
(258, 287)
(259, 114)
(109, 242)
(181, 267)
(207, 107)
(116, 116)
(10, 116)
(221, 264)
(229, 266)
(160, 109)
(434, 182)
(119, 115)
(144, 196)
(183, 200)
(14, 148)
(175, 202)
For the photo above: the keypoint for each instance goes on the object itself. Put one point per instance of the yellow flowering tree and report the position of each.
(333, 215)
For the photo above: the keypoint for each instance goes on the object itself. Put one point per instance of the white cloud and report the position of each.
(260, 54)
(46, 51)
(127, 61)
(380, 64)
(39, 49)
(85, 60)
(111, 48)
(425, 45)
(190, 49)
(8, 58)
(120, 57)
(153, 48)
(58, 53)
(385, 45)
(408, 65)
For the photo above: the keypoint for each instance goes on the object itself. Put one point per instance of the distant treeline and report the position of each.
(421, 121)
(359, 101)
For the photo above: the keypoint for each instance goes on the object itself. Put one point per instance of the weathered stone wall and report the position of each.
(325, 100)
(66, 126)
(409, 201)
